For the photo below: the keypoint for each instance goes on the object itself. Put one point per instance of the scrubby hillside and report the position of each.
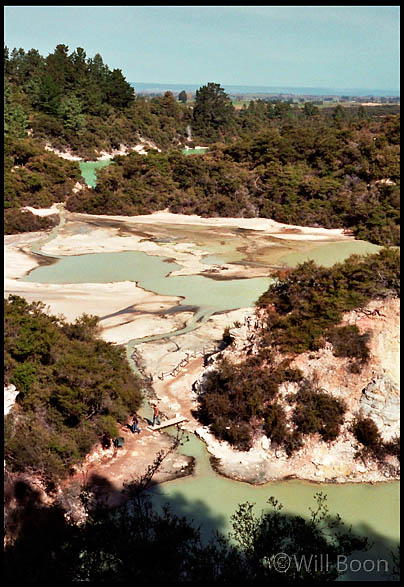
(302, 368)
(321, 175)
(33, 177)
(331, 167)
(73, 388)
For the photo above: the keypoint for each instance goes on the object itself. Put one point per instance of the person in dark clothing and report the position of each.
(106, 440)
(135, 425)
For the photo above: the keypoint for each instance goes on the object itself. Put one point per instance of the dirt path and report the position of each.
(107, 470)
(174, 393)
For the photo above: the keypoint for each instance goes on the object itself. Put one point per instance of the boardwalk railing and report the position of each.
(252, 323)
(207, 350)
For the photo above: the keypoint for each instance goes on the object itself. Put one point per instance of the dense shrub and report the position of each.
(392, 447)
(236, 398)
(306, 305)
(318, 412)
(185, 184)
(37, 178)
(73, 387)
(16, 221)
(348, 342)
(234, 395)
(275, 424)
(366, 432)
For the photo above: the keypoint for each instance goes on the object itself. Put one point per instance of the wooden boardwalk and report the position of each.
(166, 423)
(184, 362)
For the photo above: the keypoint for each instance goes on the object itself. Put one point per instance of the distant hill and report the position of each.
(147, 88)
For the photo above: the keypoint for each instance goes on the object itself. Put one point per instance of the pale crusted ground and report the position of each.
(104, 155)
(72, 300)
(80, 236)
(109, 469)
(44, 211)
(261, 224)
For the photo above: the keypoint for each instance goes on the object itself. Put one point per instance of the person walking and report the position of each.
(156, 415)
(135, 425)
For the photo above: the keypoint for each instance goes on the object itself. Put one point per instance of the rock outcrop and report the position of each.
(380, 401)
(10, 394)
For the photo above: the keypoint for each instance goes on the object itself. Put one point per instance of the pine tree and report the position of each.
(213, 112)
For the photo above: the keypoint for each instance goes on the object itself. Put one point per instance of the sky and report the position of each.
(295, 46)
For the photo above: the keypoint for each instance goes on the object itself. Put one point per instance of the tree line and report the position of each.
(322, 176)
(327, 167)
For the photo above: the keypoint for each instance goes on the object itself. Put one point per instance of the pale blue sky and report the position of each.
(328, 46)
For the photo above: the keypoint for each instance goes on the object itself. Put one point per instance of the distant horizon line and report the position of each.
(313, 90)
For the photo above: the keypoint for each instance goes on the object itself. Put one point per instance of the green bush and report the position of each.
(348, 342)
(34, 177)
(318, 412)
(367, 433)
(275, 424)
(304, 307)
(239, 435)
(16, 221)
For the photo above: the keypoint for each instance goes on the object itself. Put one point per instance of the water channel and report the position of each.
(89, 168)
(208, 498)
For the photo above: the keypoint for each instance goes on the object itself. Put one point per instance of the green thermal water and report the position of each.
(210, 499)
(195, 151)
(328, 254)
(89, 170)
(150, 272)
(325, 254)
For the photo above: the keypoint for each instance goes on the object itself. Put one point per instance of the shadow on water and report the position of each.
(375, 564)
(46, 545)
